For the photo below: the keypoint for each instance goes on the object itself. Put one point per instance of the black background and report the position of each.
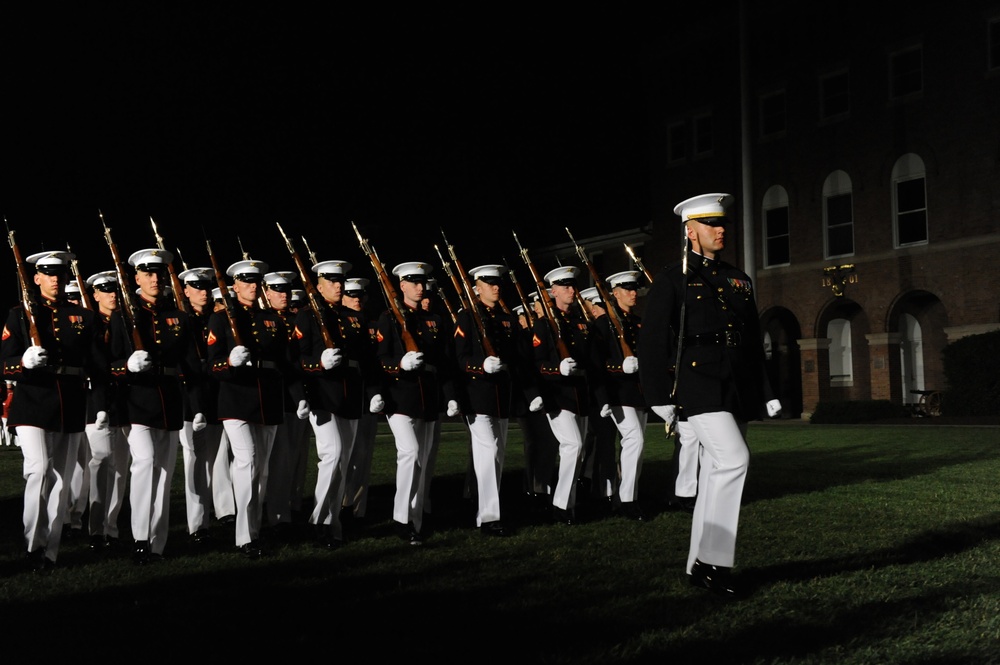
(221, 123)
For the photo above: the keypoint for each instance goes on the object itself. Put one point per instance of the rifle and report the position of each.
(312, 254)
(27, 295)
(181, 257)
(224, 292)
(392, 298)
(477, 316)
(638, 263)
(128, 299)
(311, 292)
(528, 312)
(547, 304)
(462, 300)
(612, 310)
(175, 282)
(85, 299)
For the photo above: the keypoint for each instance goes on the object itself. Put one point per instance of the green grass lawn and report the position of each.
(858, 544)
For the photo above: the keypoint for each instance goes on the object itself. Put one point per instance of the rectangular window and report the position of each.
(911, 212)
(702, 135)
(834, 95)
(906, 75)
(772, 114)
(676, 145)
(994, 44)
(839, 225)
(776, 237)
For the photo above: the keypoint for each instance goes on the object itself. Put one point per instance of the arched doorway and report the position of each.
(781, 352)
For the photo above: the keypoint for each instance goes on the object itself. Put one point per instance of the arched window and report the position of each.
(838, 215)
(841, 357)
(775, 216)
(909, 201)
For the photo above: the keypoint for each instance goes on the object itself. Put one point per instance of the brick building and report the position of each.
(863, 148)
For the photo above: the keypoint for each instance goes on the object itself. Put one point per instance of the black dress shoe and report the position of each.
(201, 537)
(38, 562)
(631, 510)
(493, 529)
(227, 519)
(717, 579)
(683, 503)
(563, 516)
(140, 553)
(98, 543)
(251, 550)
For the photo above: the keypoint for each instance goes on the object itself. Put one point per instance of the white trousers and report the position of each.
(489, 443)
(79, 486)
(200, 451)
(725, 459)
(48, 461)
(686, 483)
(359, 466)
(414, 444)
(108, 473)
(154, 455)
(223, 500)
(631, 424)
(334, 435)
(251, 444)
(569, 430)
(283, 468)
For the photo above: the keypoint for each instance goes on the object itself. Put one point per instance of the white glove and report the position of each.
(630, 365)
(492, 364)
(101, 420)
(377, 404)
(34, 356)
(536, 405)
(330, 358)
(199, 423)
(239, 356)
(452, 408)
(139, 362)
(568, 366)
(774, 408)
(606, 411)
(412, 360)
(302, 412)
(667, 412)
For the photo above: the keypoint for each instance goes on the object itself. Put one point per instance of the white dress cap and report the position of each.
(704, 206)
(155, 257)
(562, 274)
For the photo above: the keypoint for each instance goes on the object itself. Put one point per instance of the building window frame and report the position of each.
(906, 72)
(993, 45)
(676, 142)
(841, 353)
(909, 202)
(838, 215)
(773, 114)
(835, 95)
(702, 134)
(776, 239)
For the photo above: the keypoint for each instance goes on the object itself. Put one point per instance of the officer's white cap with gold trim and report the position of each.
(706, 208)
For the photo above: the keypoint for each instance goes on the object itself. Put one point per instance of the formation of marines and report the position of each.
(106, 377)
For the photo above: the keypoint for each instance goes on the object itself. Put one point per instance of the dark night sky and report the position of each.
(224, 124)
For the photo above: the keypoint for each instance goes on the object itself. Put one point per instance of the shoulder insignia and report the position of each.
(6, 333)
(211, 338)
(378, 336)
(459, 332)
(297, 333)
(535, 341)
